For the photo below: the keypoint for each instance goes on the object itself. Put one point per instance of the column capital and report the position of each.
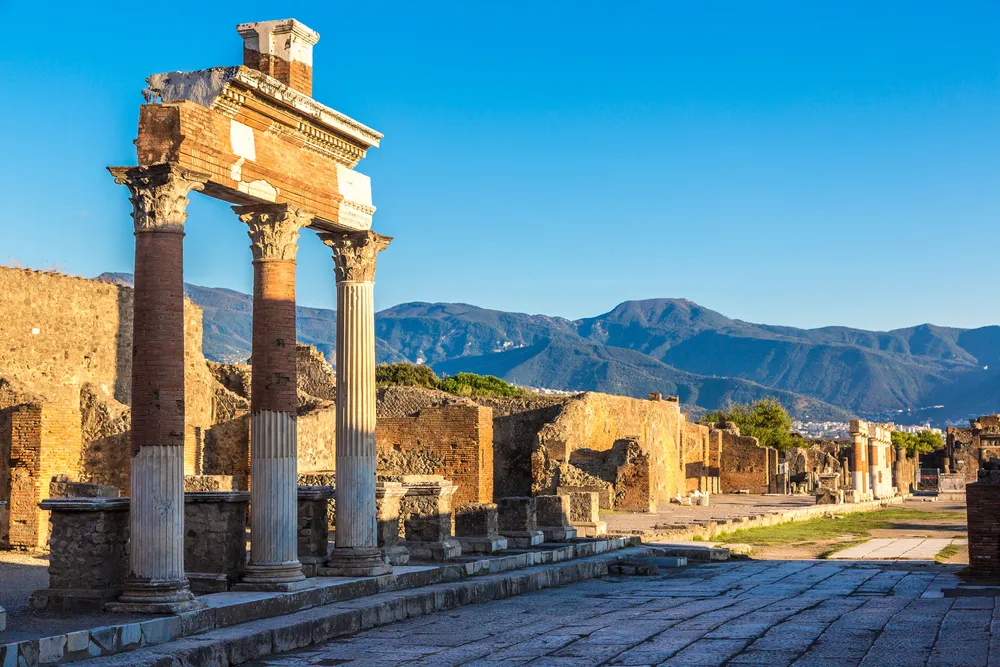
(159, 194)
(354, 254)
(274, 229)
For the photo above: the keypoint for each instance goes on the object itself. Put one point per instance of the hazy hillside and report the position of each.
(666, 345)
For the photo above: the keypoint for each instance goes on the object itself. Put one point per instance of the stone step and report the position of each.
(690, 552)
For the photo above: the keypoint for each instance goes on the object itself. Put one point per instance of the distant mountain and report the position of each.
(667, 345)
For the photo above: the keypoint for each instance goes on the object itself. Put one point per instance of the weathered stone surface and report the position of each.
(314, 529)
(426, 513)
(215, 538)
(198, 483)
(388, 498)
(88, 559)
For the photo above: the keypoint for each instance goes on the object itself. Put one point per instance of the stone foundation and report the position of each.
(477, 529)
(314, 528)
(553, 518)
(215, 539)
(88, 559)
(427, 519)
(517, 519)
(585, 514)
(388, 497)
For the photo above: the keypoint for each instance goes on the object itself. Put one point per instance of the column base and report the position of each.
(155, 597)
(273, 577)
(346, 562)
(397, 555)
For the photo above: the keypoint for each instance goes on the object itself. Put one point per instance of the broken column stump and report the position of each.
(426, 512)
(585, 514)
(87, 560)
(388, 497)
(477, 528)
(215, 539)
(314, 527)
(553, 518)
(517, 517)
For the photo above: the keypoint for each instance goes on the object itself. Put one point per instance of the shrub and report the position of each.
(407, 375)
(470, 384)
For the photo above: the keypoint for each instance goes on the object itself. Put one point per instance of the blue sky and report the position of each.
(783, 162)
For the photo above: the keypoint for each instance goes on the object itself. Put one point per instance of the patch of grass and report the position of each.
(947, 553)
(850, 528)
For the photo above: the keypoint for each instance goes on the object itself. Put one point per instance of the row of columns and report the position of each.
(156, 581)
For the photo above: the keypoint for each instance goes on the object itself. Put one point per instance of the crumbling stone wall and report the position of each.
(746, 466)
(695, 456)
(315, 375)
(569, 440)
(804, 465)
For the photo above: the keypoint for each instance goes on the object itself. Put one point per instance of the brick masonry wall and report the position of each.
(455, 441)
(983, 507)
(745, 464)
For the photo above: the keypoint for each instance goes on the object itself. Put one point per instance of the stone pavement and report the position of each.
(768, 613)
(912, 548)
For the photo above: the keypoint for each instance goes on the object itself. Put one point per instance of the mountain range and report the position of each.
(673, 346)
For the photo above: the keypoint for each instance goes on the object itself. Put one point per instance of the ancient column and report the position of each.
(356, 552)
(274, 562)
(860, 472)
(155, 582)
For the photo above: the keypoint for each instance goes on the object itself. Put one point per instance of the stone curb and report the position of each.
(114, 639)
(255, 640)
(709, 529)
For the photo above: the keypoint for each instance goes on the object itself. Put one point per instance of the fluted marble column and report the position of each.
(155, 582)
(356, 552)
(274, 562)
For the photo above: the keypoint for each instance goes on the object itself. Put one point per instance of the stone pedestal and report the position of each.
(585, 514)
(427, 517)
(478, 530)
(314, 528)
(951, 486)
(215, 539)
(356, 552)
(983, 507)
(553, 518)
(388, 497)
(517, 517)
(88, 558)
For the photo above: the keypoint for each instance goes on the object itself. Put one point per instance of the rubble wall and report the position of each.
(745, 464)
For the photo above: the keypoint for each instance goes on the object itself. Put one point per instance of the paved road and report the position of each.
(907, 548)
(768, 613)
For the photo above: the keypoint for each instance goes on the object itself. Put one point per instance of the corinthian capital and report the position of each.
(354, 254)
(274, 229)
(159, 195)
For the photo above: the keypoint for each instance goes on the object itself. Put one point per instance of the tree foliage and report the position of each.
(470, 384)
(406, 375)
(766, 419)
(461, 384)
(924, 441)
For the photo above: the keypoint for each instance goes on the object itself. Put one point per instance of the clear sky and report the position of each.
(801, 163)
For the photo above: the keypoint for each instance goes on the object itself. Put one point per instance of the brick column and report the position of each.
(274, 562)
(155, 582)
(860, 473)
(356, 552)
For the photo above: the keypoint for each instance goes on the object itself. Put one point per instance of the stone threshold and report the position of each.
(334, 603)
(706, 529)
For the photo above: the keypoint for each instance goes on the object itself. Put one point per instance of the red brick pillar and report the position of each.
(156, 581)
(274, 563)
(356, 552)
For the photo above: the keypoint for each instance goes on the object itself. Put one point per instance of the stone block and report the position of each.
(62, 487)
(605, 494)
(585, 514)
(517, 518)
(215, 539)
(314, 527)
(88, 559)
(477, 528)
(388, 497)
(426, 513)
(553, 518)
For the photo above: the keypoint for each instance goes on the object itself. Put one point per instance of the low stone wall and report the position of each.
(215, 539)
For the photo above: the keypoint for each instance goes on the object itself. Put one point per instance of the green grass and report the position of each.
(946, 553)
(850, 529)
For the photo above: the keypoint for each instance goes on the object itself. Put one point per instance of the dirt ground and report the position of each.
(931, 527)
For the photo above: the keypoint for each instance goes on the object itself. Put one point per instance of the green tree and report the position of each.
(924, 441)
(470, 384)
(766, 419)
(407, 375)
